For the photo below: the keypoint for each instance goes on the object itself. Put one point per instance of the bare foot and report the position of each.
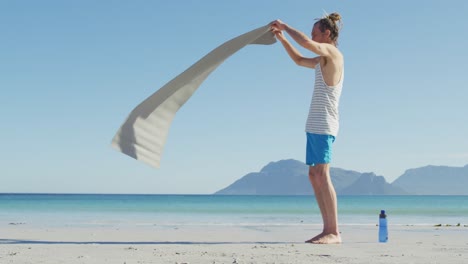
(328, 239)
(315, 238)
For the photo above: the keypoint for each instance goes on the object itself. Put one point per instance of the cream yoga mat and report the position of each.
(144, 133)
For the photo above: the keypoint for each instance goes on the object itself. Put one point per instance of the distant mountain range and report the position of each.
(290, 177)
(441, 180)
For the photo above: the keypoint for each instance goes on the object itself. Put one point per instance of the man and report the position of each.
(323, 121)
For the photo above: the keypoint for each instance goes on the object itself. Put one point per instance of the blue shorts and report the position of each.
(319, 149)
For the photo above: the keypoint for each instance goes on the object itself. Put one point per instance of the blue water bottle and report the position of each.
(383, 227)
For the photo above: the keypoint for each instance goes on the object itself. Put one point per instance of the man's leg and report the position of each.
(326, 198)
(313, 181)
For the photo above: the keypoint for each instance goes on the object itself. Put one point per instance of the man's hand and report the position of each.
(277, 28)
(278, 34)
(277, 25)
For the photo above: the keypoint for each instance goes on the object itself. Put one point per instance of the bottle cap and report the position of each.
(382, 211)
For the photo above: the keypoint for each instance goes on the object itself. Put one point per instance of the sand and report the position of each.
(22, 243)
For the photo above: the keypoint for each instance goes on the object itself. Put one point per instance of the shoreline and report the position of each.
(229, 244)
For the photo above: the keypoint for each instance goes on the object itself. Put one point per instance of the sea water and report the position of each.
(134, 210)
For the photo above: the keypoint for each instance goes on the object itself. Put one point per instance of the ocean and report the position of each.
(64, 210)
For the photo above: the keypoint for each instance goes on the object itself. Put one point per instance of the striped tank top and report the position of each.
(323, 116)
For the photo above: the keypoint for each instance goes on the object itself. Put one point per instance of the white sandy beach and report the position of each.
(229, 244)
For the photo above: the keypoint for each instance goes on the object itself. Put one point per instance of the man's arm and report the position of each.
(321, 49)
(295, 55)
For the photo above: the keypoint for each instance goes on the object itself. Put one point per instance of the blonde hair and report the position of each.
(331, 22)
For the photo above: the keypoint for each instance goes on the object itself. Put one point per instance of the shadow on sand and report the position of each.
(45, 242)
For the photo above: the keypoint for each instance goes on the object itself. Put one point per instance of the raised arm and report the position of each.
(295, 55)
(321, 49)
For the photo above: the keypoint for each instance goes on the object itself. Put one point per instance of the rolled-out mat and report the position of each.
(144, 133)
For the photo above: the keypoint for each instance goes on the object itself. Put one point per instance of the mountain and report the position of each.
(371, 184)
(290, 177)
(434, 180)
(276, 178)
(341, 179)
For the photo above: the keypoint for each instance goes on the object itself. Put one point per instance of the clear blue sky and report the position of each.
(71, 72)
